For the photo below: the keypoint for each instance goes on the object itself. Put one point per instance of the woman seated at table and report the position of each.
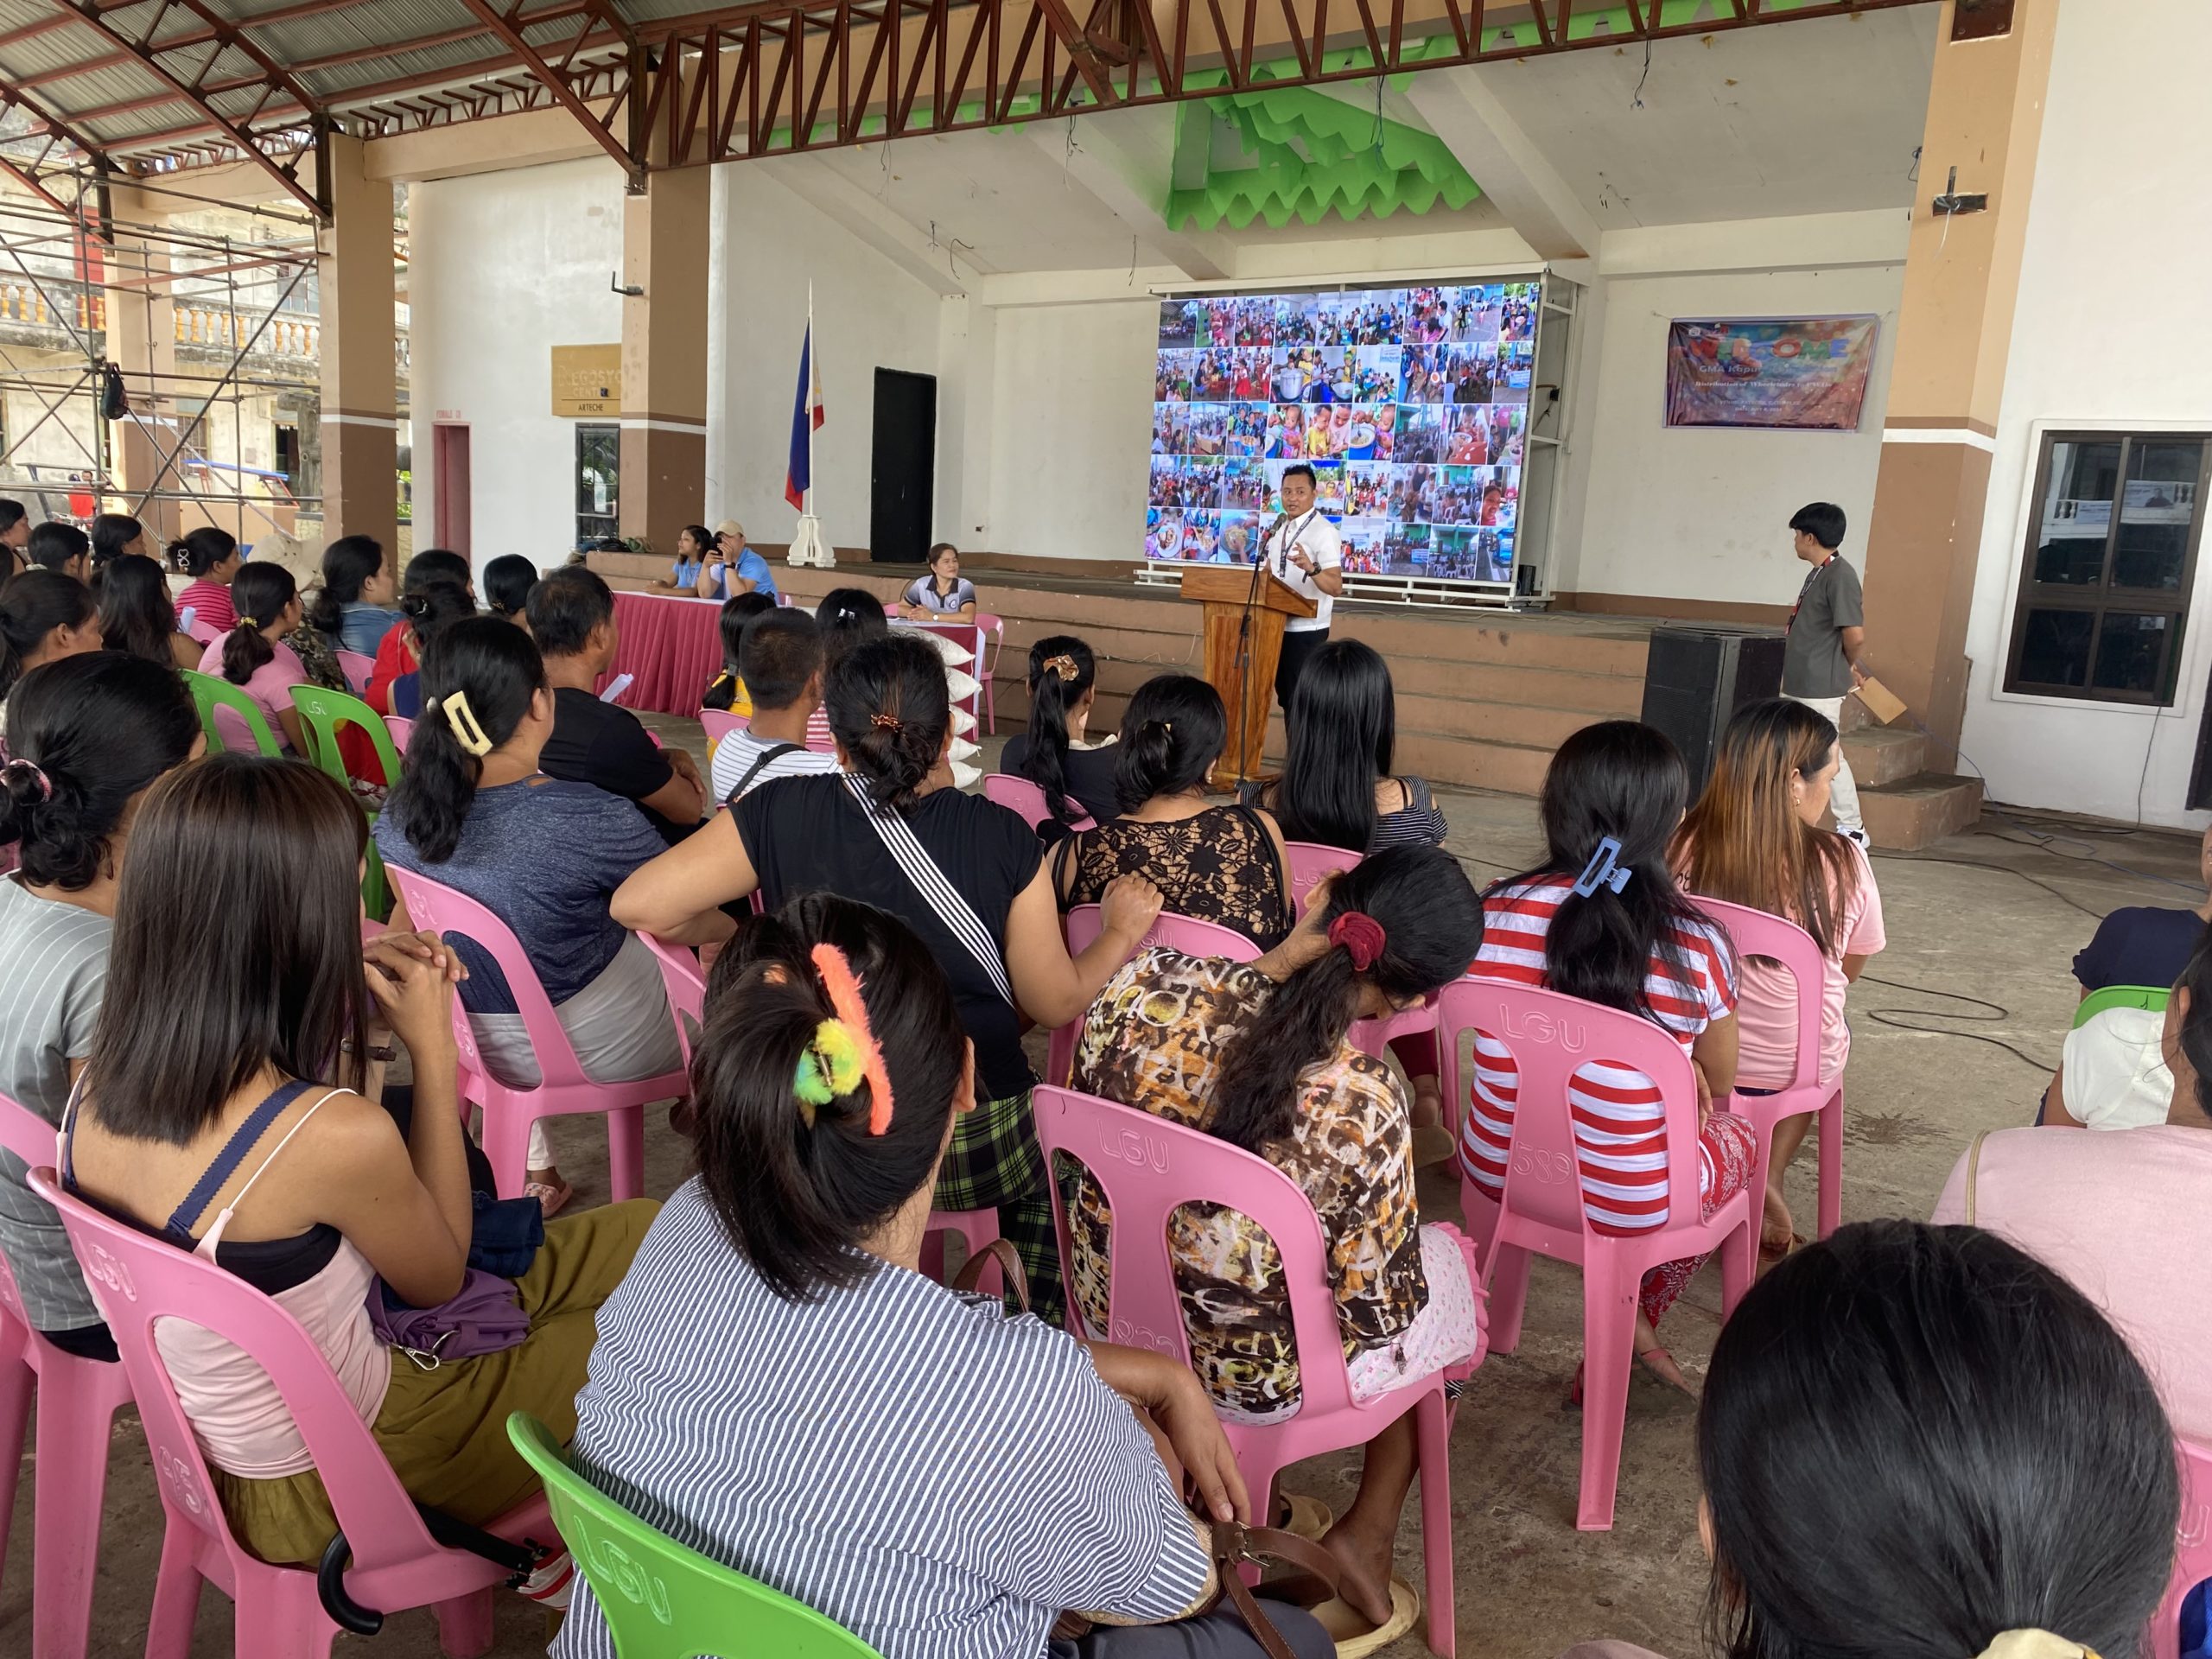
(254, 658)
(1259, 1055)
(472, 812)
(1217, 863)
(943, 593)
(696, 572)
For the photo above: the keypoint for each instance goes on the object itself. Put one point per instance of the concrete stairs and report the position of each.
(1906, 806)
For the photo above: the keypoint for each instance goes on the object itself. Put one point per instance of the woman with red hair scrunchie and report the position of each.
(1259, 1054)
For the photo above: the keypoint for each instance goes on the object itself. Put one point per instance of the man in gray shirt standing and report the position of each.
(1828, 642)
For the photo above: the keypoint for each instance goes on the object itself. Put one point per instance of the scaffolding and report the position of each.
(218, 295)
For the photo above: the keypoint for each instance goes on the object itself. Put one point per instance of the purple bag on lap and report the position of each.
(484, 1317)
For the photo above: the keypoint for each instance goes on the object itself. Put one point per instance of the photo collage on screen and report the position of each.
(1411, 405)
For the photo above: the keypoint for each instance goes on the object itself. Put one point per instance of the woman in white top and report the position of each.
(243, 876)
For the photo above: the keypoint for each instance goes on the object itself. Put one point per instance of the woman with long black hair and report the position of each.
(1921, 1442)
(354, 609)
(248, 1129)
(44, 616)
(1337, 787)
(213, 558)
(1602, 918)
(472, 812)
(138, 615)
(1215, 863)
(1055, 752)
(1260, 1055)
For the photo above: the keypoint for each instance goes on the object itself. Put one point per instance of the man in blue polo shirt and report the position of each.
(736, 568)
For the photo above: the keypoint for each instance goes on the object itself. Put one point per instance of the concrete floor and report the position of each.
(1991, 918)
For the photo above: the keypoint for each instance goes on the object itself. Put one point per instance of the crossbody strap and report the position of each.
(775, 752)
(936, 889)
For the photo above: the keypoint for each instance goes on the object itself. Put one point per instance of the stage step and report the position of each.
(1885, 754)
(1905, 816)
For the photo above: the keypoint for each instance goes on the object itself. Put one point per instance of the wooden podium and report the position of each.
(1242, 659)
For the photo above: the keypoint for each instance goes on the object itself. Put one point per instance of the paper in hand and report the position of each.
(616, 687)
(1881, 703)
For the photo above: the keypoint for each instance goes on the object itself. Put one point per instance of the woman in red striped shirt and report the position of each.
(1602, 918)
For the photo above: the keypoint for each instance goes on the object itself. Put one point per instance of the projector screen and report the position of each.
(1411, 405)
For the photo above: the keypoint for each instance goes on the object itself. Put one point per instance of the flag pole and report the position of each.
(808, 547)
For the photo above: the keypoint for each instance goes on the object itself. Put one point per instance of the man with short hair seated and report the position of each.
(572, 618)
(780, 662)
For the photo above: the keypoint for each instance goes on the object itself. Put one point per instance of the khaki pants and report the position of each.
(1844, 799)
(445, 1430)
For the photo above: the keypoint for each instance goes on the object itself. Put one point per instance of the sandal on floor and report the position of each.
(1309, 1517)
(550, 1199)
(1433, 1146)
(1354, 1637)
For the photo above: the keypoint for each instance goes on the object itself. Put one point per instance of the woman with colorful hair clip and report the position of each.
(779, 1386)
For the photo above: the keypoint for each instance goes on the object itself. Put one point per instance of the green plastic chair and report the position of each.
(2150, 997)
(323, 711)
(660, 1599)
(211, 692)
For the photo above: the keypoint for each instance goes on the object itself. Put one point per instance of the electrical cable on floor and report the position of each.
(2000, 869)
(1997, 1015)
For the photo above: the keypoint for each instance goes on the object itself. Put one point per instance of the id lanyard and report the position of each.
(1290, 538)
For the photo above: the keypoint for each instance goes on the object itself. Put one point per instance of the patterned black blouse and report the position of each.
(1219, 865)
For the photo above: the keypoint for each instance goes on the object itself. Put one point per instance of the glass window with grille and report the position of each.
(2111, 557)
(599, 475)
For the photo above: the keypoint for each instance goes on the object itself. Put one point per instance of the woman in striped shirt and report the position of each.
(1615, 932)
(777, 1386)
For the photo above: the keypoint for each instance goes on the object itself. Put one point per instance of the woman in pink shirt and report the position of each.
(2122, 1212)
(253, 657)
(1755, 838)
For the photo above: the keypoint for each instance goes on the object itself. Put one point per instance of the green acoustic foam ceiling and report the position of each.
(1315, 155)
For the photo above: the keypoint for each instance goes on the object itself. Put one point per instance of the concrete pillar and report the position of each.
(361, 390)
(665, 358)
(1955, 335)
(142, 342)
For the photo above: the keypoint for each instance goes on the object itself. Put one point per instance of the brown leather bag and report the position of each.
(1231, 1544)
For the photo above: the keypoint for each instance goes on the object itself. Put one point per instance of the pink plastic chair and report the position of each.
(1149, 1168)
(565, 1090)
(395, 1563)
(1020, 795)
(1081, 928)
(77, 1402)
(1309, 862)
(986, 622)
(1756, 933)
(357, 669)
(1550, 1035)
(685, 982)
(2192, 1548)
(400, 728)
(719, 724)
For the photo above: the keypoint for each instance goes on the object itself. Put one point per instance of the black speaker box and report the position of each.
(1697, 677)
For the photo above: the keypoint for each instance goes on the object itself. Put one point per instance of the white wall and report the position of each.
(504, 266)
(1070, 457)
(868, 313)
(1700, 513)
(2115, 235)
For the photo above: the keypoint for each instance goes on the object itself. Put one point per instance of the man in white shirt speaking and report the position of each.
(1303, 552)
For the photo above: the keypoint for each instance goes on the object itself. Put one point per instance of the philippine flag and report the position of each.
(806, 415)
